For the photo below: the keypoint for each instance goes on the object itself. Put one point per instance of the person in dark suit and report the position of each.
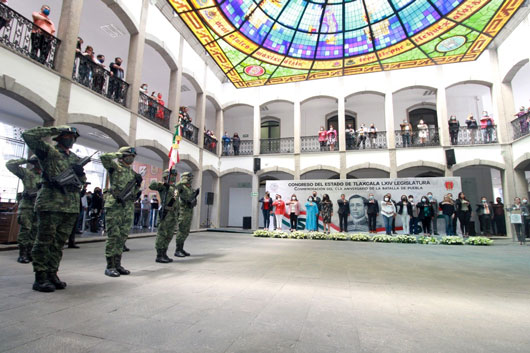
(317, 200)
(344, 212)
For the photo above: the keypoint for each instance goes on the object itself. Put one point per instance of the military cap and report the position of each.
(187, 175)
(66, 130)
(127, 150)
(168, 172)
(33, 160)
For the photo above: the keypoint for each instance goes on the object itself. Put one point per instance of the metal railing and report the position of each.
(190, 132)
(521, 126)
(465, 136)
(210, 144)
(154, 111)
(278, 145)
(413, 139)
(312, 144)
(245, 148)
(23, 36)
(368, 141)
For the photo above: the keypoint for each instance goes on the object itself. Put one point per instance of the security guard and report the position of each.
(119, 205)
(187, 201)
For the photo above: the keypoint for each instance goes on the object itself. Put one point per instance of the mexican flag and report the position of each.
(174, 157)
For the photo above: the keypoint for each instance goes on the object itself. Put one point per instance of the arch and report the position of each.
(414, 87)
(161, 49)
(471, 82)
(189, 76)
(514, 70)
(433, 165)
(319, 96)
(234, 104)
(235, 170)
(101, 123)
(421, 105)
(275, 169)
(520, 162)
(320, 167)
(368, 165)
(278, 100)
(210, 168)
(358, 93)
(24, 95)
(122, 12)
(156, 147)
(478, 162)
(210, 97)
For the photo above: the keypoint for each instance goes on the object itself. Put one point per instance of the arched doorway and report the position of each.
(428, 115)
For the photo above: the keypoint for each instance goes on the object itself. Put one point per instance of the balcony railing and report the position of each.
(98, 79)
(278, 145)
(368, 141)
(152, 110)
(210, 144)
(245, 148)
(465, 136)
(521, 126)
(413, 139)
(190, 132)
(311, 144)
(24, 37)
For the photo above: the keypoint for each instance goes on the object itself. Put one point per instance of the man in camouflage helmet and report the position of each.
(187, 201)
(57, 203)
(27, 218)
(168, 213)
(119, 205)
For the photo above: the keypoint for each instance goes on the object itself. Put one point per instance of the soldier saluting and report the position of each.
(119, 205)
(187, 201)
(27, 217)
(57, 203)
(167, 215)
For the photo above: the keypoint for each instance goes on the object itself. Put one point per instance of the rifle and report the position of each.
(69, 176)
(162, 212)
(125, 193)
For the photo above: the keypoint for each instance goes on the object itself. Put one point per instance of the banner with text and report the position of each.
(357, 191)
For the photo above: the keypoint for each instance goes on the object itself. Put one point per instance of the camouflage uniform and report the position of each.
(119, 213)
(57, 206)
(168, 220)
(187, 201)
(27, 218)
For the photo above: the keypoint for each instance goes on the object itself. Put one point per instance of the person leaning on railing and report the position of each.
(116, 76)
(486, 125)
(454, 127)
(236, 141)
(41, 41)
(524, 119)
(472, 127)
(406, 129)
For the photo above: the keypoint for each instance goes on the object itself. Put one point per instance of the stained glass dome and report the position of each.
(263, 42)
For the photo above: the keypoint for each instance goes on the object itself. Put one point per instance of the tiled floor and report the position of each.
(237, 293)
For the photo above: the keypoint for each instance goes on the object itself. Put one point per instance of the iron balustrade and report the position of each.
(190, 132)
(154, 111)
(277, 145)
(311, 144)
(465, 136)
(24, 37)
(246, 148)
(99, 79)
(413, 139)
(521, 126)
(367, 141)
(210, 143)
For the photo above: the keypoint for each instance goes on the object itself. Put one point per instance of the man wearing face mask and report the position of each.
(119, 205)
(484, 212)
(41, 34)
(117, 75)
(187, 201)
(57, 203)
(434, 204)
(27, 218)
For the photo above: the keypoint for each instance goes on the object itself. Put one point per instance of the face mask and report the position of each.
(430, 197)
(128, 159)
(403, 199)
(525, 201)
(410, 199)
(293, 198)
(309, 200)
(46, 12)
(371, 197)
(118, 63)
(483, 201)
(386, 199)
(424, 200)
(101, 61)
(68, 143)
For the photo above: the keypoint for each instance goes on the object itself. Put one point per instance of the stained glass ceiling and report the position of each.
(264, 42)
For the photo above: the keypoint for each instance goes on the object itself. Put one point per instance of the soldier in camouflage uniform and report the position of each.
(119, 205)
(187, 201)
(27, 218)
(168, 213)
(57, 203)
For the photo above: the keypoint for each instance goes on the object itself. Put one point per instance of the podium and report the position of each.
(8, 222)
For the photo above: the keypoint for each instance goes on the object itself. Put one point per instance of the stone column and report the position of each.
(175, 84)
(297, 121)
(441, 111)
(200, 118)
(257, 130)
(68, 29)
(133, 75)
(216, 210)
(341, 129)
(220, 126)
(389, 125)
(255, 203)
(521, 184)
(509, 181)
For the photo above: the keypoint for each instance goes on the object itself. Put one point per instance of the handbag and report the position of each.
(515, 218)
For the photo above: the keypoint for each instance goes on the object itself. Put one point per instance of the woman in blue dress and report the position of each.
(311, 209)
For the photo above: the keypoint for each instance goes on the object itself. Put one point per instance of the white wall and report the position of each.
(408, 98)
(284, 112)
(466, 99)
(239, 119)
(370, 108)
(313, 114)
(521, 88)
(236, 181)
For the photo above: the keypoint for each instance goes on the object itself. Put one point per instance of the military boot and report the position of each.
(111, 268)
(178, 252)
(54, 279)
(160, 256)
(125, 248)
(42, 284)
(184, 251)
(164, 254)
(119, 268)
(22, 257)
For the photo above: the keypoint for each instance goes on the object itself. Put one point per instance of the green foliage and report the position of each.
(479, 241)
(427, 240)
(261, 233)
(338, 236)
(408, 239)
(319, 236)
(299, 235)
(452, 240)
(360, 237)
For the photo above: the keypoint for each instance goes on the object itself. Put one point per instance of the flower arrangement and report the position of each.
(261, 233)
(360, 237)
(479, 241)
(427, 240)
(452, 240)
(382, 238)
(338, 236)
(299, 235)
(408, 239)
(319, 236)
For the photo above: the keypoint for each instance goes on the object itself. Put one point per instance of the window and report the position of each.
(270, 129)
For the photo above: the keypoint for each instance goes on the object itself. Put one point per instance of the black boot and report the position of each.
(160, 257)
(54, 279)
(125, 248)
(178, 252)
(119, 268)
(184, 251)
(111, 268)
(42, 284)
(164, 254)
(22, 257)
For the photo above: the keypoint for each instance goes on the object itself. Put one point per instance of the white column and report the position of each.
(257, 130)
(220, 126)
(297, 121)
(216, 210)
(502, 101)
(389, 120)
(255, 203)
(441, 110)
(201, 112)
(341, 129)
